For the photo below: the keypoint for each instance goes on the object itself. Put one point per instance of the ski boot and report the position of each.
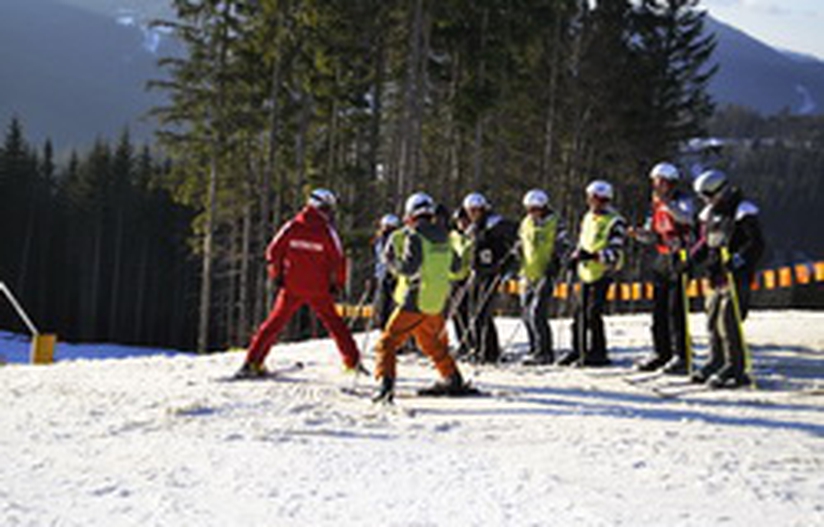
(728, 378)
(386, 391)
(250, 370)
(652, 363)
(702, 375)
(538, 359)
(357, 369)
(596, 360)
(569, 359)
(676, 366)
(454, 385)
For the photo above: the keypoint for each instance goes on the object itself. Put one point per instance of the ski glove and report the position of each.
(736, 262)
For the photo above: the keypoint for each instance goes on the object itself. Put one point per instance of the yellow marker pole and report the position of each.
(725, 258)
(42, 346)
(42, 349)
(682, 254)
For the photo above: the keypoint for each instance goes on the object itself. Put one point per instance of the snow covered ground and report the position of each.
(161, 440)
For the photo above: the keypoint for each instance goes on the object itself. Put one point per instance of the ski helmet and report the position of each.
(419, 203)
(475, 200)
(390, 221)
(321, 198)
(600, 189)
(710, 183)
(666, 171)
(536, 199)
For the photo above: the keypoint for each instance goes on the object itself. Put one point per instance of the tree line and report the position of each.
(779, 161)
(96, 250)
(379, 98)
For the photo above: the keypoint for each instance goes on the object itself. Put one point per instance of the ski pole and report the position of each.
(484, 297)
(582, 326)
(354, 318)
(733, 286)
(682, 255)
(456, 300)
(370, 322)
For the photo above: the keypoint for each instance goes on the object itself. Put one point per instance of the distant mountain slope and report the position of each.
(72, 74)
(755, 75)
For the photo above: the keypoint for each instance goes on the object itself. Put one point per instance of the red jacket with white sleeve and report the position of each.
(306, 255)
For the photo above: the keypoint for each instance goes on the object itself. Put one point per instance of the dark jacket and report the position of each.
(733, 223)
(493, 240)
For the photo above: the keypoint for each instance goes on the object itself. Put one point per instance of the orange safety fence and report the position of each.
(768, 279)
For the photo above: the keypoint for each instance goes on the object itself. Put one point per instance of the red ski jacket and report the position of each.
(306, 255)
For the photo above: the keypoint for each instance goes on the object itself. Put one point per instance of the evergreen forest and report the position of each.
(163, 244)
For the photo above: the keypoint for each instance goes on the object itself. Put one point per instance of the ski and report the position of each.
(465, 391)
(366, 393)
(679, 390)
(274, 374)
(642, 377)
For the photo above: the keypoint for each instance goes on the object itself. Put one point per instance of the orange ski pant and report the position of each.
(429, 333)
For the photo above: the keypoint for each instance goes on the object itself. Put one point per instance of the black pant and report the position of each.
(669, 335)
(588, 324)
(484, 336)
(384, 301)
(535, 308)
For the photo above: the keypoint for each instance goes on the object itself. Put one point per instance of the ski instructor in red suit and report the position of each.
(305, 260)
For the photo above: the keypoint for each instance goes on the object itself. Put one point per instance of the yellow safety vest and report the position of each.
(595, 229)
(537, 246)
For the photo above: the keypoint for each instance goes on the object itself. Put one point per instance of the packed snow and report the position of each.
(166, 440)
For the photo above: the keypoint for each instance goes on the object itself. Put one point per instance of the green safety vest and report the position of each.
(397, 240)
(432, 279)
(595, 230)
(537, 246)
(462, 245)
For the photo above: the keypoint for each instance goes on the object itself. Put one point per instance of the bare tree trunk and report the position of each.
(410, 144)
(377, 112)
(242, 332)
(263, 286)
(551, 110)
(91, 318)
(478, 168)
(208, 257)
(140, 298)
(114, 308)
(305, 102)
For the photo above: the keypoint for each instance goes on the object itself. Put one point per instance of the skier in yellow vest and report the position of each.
(543, 243)
(424, 268)
(598, 255)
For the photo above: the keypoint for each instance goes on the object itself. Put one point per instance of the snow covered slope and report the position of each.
(162, 441)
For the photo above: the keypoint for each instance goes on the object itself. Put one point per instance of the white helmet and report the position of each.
(390, 221)
(536, 199)
(321, 198)
(600, 189)
(666, 171)
(475, 200)
(419, 203)
(710, 182)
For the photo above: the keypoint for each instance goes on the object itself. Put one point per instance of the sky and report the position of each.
(794, 25)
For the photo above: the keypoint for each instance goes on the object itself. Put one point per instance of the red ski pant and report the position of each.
(429, 333)
(286, 304)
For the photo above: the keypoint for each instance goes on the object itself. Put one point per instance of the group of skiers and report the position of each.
(434, 266)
